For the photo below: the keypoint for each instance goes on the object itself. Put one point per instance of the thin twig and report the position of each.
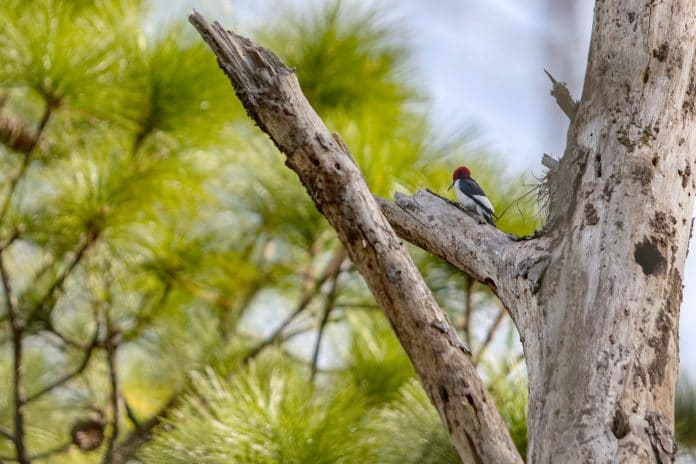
(16, 233)
(18, 393)
(130, 413)
(80, 368)
(60, 340)
(366, 306)
(491, 333)
(46, 265)
(111, 349)
(468, 308)
(328, 307)
(301, 360)
(10, 305)
(57, 284)
(228, 317)
(311, 291)
(290, 334)
(143, 317)
(26, 160)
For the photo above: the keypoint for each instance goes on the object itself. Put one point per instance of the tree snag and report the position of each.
(595, 297)
(271, 95)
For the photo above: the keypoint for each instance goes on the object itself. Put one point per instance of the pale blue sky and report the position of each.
(482, 62)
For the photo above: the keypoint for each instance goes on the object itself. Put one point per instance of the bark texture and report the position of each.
(602, 366)
(595, 297)
(271, 95)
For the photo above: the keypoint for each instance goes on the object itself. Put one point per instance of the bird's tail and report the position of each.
(487, 215)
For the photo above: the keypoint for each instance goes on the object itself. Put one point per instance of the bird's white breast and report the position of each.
(465, 201)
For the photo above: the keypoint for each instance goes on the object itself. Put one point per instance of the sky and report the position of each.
(482, 62)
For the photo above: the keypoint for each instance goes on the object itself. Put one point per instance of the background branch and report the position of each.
(6, 433)
(125, 450)
(326, 312)
(62, 448)
(57, 284)
(77, 371)
(311, 290)
(111, 350)
(19, 396)
(492, 330)
(27, 146)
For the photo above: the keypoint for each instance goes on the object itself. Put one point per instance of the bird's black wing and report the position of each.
(471, 188)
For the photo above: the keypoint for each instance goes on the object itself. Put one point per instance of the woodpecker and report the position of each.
(470, 194)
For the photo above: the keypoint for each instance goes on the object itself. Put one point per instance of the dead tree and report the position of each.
(595, 296)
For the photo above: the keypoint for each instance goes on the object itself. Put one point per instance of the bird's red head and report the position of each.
(460, 172)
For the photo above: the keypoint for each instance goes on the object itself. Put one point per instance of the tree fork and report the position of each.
(271, 95)
(595, 298)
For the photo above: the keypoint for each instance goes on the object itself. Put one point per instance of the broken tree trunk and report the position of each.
(595, 297)
(603, 360)
(271, 95)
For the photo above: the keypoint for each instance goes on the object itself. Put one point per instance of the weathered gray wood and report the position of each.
(272, 97)
(512, 268)
(602, 369)
(595, 298)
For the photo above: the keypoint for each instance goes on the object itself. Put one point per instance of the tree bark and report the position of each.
(602, 368)
(271, 95)
(595, 297)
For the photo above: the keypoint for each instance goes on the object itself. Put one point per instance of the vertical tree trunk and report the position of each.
(603, 369)
(595, 298)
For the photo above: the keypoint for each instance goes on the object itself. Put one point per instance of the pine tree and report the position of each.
(161, 267)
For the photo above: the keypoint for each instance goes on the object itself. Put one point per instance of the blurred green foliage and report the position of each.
(154, 240)
(685, 414)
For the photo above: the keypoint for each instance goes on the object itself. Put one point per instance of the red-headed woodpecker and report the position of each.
(470, 194)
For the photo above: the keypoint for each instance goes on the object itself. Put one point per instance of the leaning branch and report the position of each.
(443, 229)
(326, 312)
(511, 267)
(271, 95)
(112, 345)
(6, 433)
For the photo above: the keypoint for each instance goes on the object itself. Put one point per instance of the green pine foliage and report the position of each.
(268, 413)
(150, 224)
(685, 415)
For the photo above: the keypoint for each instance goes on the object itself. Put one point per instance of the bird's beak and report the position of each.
(451, 185)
